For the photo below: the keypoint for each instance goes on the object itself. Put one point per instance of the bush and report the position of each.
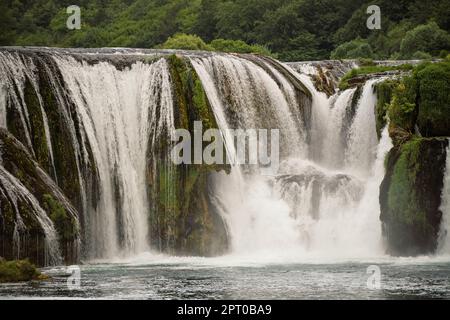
(402, 109)
(354, 49)
(420, 55)
(17, 270)
(428, 38)
(238, 46)
(434, 98)
(366, 70)
(365, 62)
(384, 91)
(184, 41)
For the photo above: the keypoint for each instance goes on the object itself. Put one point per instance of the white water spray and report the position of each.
(119, 111)
(444, 234)
(324, 202)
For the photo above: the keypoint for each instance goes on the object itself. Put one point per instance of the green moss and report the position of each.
(421, 100)
(384, 91)
(180, 213)
(402, 108)
(367, 70)
(63, 148)
(17, 271)
(365, 62)
(434, 98)
(64, 223)
(402, 198)
(410, 196)
(37, 133)
(191, 101)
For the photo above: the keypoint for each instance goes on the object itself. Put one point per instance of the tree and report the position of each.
(185, 42)
(238, 46)
(354, 49)
(428, 38)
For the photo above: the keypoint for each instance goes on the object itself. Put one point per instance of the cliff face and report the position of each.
(182, 219)
(47, 155)
(85, 143)
(34, 211)
(410, 195)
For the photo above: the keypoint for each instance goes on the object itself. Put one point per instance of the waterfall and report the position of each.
(362, 136)
(116, 114)
(119, 111)
(444, 234)
(18, 195)
(248, 95)
(244, 95)
(14, 72)
(113, 118)
(324, 200)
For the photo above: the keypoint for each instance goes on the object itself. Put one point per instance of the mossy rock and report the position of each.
(182, 219)
(384, 91)
(19, 271)
(420, 101)
(410, 196)
(18, 162)
(433, 99)
(65, 224)
(44, 97)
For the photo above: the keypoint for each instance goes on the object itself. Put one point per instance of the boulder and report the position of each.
(410, 196)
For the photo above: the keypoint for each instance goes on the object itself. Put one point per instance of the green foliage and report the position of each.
(354, 49)
(369, 69)
(291, 29)
(434, 98)
(186, 42)
(420, 55)
(64, 224)
(192, 42)
(384, 92)
(17, 271)
(238, 46)
(426, 38)
(402, 107)
(402, 199)
(366, 62)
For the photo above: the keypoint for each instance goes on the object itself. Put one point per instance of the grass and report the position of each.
(369, 69)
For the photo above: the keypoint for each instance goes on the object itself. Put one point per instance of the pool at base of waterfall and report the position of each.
(233, 278)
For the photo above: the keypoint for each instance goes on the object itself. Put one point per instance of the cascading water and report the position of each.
(119, 113)
(14, 190)
(335, 199)
(444, 235)
(362, 143)
(114, 118)
(15, 72)
(244, 95)
(322, 201)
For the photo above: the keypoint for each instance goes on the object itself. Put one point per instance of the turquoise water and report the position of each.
(195, 278)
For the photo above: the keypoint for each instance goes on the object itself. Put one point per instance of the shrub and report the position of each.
(402, 107)
(17, 270)
(238, 46)
(428, 38)
(354, 49)
(420, 55)
(434, 98)
(184, 41)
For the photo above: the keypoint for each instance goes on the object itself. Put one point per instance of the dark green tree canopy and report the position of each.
(290, 29)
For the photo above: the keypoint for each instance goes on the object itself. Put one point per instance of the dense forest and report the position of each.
(290, 30)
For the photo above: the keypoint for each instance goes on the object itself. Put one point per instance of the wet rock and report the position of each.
(410, 196)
